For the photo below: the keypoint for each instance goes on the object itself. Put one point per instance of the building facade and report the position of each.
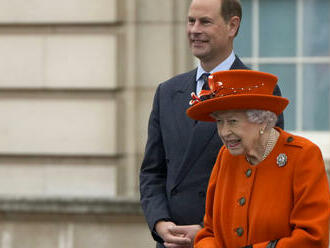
(77, 80)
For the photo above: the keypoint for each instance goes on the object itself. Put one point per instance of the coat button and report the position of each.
(242, 201)
(201, 194)
(239, 231)
(290, 139)
(248, 173)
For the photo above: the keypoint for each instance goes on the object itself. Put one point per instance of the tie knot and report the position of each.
(205, 77)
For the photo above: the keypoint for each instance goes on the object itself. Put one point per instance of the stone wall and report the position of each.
(77, 79)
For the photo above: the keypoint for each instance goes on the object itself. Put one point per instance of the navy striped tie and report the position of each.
(205, 77)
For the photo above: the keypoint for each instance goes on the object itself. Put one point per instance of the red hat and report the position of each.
(237, 90)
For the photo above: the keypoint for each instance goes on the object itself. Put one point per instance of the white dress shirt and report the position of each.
(223, 66)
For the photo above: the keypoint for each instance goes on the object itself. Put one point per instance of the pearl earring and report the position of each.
(261, 131)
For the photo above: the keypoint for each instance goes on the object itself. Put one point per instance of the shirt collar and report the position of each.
(223, 66)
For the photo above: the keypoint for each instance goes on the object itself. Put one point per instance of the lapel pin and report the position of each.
(281, 160)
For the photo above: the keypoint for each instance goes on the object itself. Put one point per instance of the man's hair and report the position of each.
(230, 8)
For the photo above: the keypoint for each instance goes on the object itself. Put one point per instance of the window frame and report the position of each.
(321, 138)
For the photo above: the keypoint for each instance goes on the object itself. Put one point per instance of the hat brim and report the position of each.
(202, 110)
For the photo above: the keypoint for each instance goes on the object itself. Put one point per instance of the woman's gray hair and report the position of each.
(262, 116)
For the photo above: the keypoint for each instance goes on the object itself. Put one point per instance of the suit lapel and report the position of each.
(181, 98)
(238, 64)
(201, 133)
(195, 134)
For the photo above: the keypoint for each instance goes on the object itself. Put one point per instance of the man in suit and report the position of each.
(180, 152)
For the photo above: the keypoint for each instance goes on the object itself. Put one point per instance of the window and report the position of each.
(291, 39)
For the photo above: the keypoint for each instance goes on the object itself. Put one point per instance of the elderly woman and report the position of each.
(268, 187)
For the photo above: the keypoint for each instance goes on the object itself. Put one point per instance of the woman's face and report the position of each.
(238, 134)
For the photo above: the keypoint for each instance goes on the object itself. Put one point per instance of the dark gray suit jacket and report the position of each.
(179, 156)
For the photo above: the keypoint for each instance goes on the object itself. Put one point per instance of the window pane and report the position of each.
(316, 97)
(287, 82)
(316, 28)
(243, 41)
(277, 28)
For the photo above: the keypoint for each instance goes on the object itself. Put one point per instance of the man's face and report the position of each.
(210, 37)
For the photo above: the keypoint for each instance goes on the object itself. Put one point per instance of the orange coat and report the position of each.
(252, 205)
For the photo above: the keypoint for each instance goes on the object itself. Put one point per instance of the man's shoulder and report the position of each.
(238, 64)
(180, 78)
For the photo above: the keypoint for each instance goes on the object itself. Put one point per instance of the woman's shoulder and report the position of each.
(294, 140)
